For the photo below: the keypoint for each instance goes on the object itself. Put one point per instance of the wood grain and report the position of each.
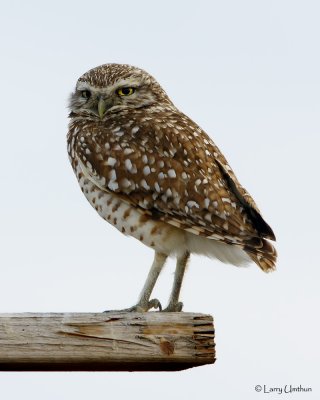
(112, 341)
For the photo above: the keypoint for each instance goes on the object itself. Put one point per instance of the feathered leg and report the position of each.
(144, 304)
(174, 304)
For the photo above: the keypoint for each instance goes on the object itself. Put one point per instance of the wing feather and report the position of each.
(177, 174)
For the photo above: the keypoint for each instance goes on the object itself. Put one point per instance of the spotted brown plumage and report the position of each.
(156, 175)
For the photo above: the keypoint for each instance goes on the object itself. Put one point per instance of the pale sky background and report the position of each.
(248, 73)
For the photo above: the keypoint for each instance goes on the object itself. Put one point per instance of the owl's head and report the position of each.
(110, 88)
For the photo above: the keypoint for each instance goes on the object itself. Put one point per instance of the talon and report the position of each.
(175, 307)
(155, 303)
(141, 307)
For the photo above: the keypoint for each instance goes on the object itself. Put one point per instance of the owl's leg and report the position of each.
(174, 304)
(144, 303)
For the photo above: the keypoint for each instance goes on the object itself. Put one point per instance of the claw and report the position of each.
(175, 307)
(155, 303)
(141, 307)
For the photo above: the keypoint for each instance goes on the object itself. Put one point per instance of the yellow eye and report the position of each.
(86, 94)
(126, 91)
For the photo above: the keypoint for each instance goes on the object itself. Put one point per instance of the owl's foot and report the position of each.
(145, 306)
(174, 307)
(142, 306)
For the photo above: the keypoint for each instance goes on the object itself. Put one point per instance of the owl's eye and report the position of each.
(86, 94)
(126, 91)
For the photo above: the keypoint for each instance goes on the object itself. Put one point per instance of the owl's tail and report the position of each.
(262, 253)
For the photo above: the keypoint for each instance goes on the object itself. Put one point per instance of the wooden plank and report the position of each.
(112, 341)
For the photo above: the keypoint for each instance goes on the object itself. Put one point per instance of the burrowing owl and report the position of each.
(155, 175)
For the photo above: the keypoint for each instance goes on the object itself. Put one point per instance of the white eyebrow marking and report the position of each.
(84, 86)
(130, 81)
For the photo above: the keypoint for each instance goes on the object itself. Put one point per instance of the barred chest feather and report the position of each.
(129, 221)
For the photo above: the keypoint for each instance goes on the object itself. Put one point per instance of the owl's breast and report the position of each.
(130, 221)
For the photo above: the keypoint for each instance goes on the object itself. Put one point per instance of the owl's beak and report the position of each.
(102, 106)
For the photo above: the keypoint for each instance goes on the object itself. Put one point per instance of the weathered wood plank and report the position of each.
(113, 341)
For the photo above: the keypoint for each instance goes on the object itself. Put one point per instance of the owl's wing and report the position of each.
(244, 198)
(181, 179)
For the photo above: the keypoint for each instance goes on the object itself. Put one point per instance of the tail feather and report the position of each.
(263, 253)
